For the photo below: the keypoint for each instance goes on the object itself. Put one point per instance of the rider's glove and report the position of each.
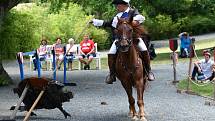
(97, 22)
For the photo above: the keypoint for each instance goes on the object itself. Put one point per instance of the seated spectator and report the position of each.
(204, 68)
(70, 49)
(152, 53)
(86, 51)
(41, 52)
(58, 47)
(185, 44)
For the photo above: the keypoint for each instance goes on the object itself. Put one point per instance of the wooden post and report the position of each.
(192, 54)
(33, 106)
(174, 57)
(189, 75)
(173, 45)
(19, 102)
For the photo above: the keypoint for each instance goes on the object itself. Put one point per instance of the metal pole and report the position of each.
(64, 63)
(38, 64)
(20, 61)
(214, 75)
(54, 64)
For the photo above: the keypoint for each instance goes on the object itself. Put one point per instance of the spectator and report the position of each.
(185, 44)
(58, 47)
(86, 51)
(70, 49)
(152, 52)
(135, 18)
(41, 52)
(204, 68)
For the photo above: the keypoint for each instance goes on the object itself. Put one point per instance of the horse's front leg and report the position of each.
(132, 112)
(140, 101)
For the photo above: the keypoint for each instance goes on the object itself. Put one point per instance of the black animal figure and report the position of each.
(53, 97)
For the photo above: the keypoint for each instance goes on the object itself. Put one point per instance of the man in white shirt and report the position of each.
(124, 11)
(204, 67)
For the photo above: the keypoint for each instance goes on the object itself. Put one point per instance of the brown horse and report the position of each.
(129, 68)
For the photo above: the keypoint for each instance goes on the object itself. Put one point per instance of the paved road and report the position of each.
(162, 103)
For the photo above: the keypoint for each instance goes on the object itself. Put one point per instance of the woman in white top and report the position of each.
(71, 50)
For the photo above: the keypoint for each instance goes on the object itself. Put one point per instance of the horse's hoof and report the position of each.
(134, 118)
(130, 115)
(143, 118)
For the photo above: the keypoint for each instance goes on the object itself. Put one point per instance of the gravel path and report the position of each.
(162, 103)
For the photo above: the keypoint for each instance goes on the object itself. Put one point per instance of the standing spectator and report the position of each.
(42, 52)
(71, 50)
(204, 68)
(58, 47)
(86, 51)
(185, 44)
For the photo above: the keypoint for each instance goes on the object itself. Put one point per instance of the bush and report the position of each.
(17, 34)
(162, 27)
(200, 24)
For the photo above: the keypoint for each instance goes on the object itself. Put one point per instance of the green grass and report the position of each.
(206, 90)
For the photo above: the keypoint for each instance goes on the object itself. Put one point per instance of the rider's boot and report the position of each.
(111, 77)
(146, 63)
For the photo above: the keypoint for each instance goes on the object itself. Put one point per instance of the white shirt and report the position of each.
(139, 18)
(206, 67)
(73, 49)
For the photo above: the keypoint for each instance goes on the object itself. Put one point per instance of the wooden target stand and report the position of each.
(173, 45)
(211, 101)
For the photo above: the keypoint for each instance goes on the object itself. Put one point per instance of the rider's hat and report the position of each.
(124, 2)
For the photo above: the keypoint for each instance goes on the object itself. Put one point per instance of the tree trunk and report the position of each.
(4, 74)
(5, 6)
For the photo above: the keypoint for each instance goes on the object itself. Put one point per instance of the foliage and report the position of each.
(17, 34)
(200, 24)
(29, 23)
(174, 8)
(203, 7)
(162, 26)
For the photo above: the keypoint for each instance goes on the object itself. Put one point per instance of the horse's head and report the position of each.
(124, 32)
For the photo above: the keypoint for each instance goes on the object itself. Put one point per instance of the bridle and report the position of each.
(124, 32)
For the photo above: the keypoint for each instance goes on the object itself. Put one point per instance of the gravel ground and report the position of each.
(162, 103)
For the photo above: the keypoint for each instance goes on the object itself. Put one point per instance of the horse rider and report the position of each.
(125, 11)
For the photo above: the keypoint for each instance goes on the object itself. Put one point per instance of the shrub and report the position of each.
(162, 27)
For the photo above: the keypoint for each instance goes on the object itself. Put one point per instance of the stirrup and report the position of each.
(151, 76)
(110, 79)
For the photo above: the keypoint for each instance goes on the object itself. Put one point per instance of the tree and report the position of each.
(5, 6)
